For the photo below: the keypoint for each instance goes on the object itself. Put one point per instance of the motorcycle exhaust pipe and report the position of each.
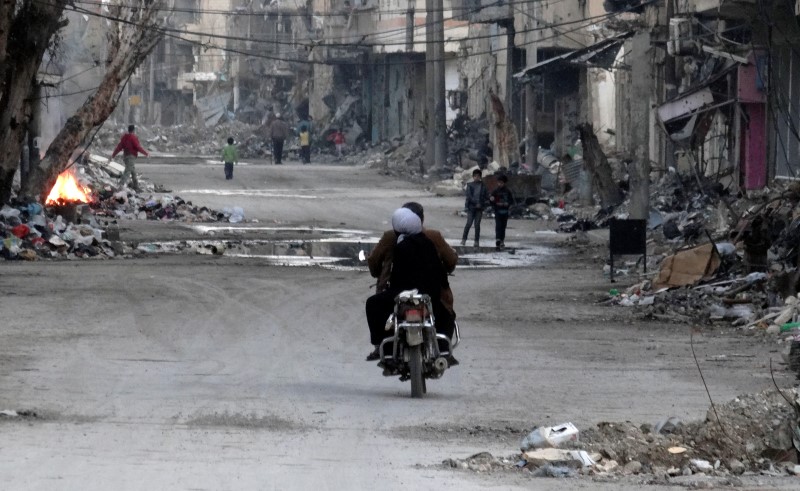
(440, 365)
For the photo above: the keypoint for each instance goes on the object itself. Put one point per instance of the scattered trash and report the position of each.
(549, 436)
(30, 231)
(667, 426)
(556, 456)
(760, 431)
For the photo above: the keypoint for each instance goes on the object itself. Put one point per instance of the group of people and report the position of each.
(478, 198)
(278, 131)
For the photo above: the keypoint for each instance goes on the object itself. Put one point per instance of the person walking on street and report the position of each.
(279, 132)
(230, 156)
(337, 137)
(477, 197)
(501, 198)
(131, 148)
(304, 133)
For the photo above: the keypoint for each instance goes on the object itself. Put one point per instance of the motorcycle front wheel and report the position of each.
(415, 369)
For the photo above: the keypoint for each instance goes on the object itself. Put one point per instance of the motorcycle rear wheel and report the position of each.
(415, 371)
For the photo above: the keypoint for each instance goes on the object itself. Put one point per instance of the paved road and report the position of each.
(203, 372)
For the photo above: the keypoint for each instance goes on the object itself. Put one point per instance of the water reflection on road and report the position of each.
(328, 247)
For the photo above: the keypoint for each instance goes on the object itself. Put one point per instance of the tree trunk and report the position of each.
(596, 162)
(507, 140)
(531, 128)
(25, 30)
(129, 44)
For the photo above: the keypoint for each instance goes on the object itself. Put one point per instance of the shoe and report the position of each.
(451, 360)
(463, 242)
(476, 244)
(375, 355)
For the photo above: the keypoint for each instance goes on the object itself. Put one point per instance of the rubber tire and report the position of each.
(415, 370)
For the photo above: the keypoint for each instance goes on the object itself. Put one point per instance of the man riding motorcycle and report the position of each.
(415, 265)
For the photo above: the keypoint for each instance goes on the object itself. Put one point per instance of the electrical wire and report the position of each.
(301, 11)
(311, 43)
(208, 45)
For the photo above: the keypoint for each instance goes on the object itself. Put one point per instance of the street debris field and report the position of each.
(714, 266)
(755, 434)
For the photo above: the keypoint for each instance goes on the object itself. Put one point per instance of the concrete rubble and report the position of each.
(712, 257)
(193, 140)
(30, 231)
(759, 434)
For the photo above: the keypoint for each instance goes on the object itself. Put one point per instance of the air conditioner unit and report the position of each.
(681, 42)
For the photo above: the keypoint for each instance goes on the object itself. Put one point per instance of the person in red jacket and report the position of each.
(131, 148)
(338, 139)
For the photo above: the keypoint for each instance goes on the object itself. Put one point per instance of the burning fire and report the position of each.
(67, 190)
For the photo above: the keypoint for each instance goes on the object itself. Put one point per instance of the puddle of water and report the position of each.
(337, 232)
(336, 252)
(261, 193)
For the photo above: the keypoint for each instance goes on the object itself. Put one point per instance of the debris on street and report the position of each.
(754, 433)
(86, 226)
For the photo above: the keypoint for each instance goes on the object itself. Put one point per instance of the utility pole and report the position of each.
(531, 126)
(639, 170)
(509, 101)
(439, 90)
(152, 91)
(410, 28)
(430, 152)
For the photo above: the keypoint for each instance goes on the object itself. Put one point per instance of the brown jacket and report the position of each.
(380, 261)
(279, 130)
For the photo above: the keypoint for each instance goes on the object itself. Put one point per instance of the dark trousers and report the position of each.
(473, 216)
(228, 170)
(277, 149)
(381, 305)
(500, 223)
(305, 154)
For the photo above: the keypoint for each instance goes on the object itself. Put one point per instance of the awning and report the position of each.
(601, 55)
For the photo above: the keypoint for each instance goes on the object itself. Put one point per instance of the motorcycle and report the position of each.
(413, 351)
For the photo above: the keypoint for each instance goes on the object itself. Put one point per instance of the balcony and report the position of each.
(490, 11)
(724, 9)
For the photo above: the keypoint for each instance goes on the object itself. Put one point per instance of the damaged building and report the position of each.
(234, 59)
(700, 86)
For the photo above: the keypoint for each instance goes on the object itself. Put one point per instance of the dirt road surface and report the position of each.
(215, 372)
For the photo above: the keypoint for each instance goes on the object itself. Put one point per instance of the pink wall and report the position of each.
(754, 148)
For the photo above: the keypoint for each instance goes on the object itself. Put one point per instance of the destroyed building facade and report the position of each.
(702, 86)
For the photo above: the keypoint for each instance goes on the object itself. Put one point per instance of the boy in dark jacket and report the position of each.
(477, 196)
(501, 200)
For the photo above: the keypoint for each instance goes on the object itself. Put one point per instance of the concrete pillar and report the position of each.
(440, 114)
(430, 101)
(640, 99)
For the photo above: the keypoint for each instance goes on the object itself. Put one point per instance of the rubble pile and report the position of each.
(190, 139)
(30, 231)
(760, 433)
(711, 257)
(405, 156)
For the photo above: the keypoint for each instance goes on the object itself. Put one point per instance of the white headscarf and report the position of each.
(405, 222)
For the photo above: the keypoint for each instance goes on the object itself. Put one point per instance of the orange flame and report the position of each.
(66, 190)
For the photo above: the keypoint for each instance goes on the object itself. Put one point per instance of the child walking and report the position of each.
(501, 198)
(338, 139)
(477, 196)
(230, 156)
